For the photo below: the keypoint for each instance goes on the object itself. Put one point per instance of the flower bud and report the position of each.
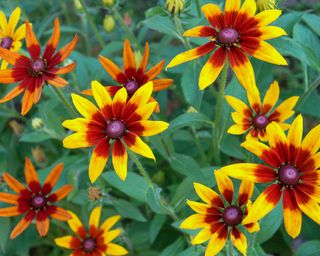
(94, 193)
(175, 6)
(108, 23)
(108, 3)
(266, 5)
(38, 155)
(37, 123)
(16, 127)
(78, 5)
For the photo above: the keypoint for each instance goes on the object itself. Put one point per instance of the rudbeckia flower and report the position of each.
(35, 201)
(255, 118)
(220, 216)
(96, 240)
(291, 171)
(32, 73)
(116, 123)
(133, 77)
(233, 34)
(10, 38)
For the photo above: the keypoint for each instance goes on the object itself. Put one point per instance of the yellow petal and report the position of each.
(95, 217)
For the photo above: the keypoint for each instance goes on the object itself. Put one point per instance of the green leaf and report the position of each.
(288, 46)
(188, 119)
(192, 251)
(156, 225)
(256, 250)
(34, 137)
(174, 248)
(128, 210)
(162, 24)
(134, 186)
(270, 224)
(155, 201)
(231, 147)
(189, 85)
(185, 165)
(5, 231)
(288, 20)
(310, 248)
(157, 10)
(313, 21)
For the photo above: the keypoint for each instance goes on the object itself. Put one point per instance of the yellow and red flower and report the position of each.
(96, 241)
(113, 124)
(35, 201)
(10, 38)
(291, 167)
(33, 72)
(219, 216)
(255, 118)
(133, 77)
(233, 34)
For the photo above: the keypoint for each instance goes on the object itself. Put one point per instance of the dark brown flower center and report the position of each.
(38, 202)
(288, 175)
(115, 129)
(6, 42)
(131, 87)
(37, 67)
(260, 121)
(232, 215)
(88, 244)
(228, 36)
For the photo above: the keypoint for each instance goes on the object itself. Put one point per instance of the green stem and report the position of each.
(180, 31)
(65, 102)
(92, 24)
(198, 145)
(140, 167)
(216, 131)
(229, 249)
(306, 94)
(198, 8)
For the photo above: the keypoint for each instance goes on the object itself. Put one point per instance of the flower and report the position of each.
(35, 201)
(132, 78)
(175, 6)
(233, 34)
(33, 72)
(114, 124)
(97, 240)
(291, 170)
(217, 216)
(266, 4)
(255, 118)
(10, 38)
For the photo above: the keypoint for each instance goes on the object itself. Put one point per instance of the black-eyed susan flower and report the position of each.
(96, 240)
(32, 73)
(290, 168)
(36, 202)
(10, 37)
(115, 124)
(234, 34)
(133, 77)
(254, 118)
(220, 216)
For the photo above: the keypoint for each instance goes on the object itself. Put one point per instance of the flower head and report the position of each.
(133, 77)
(35, 201)
(219, 215)
(10, 38)
(33, 72)
(175, 6)
(233, 34)
(113, 124)
(255, 118)
(97, 240)
(291, 170)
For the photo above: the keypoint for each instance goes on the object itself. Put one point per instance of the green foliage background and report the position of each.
(151, 216)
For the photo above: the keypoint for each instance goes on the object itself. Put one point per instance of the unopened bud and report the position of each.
(266, 5)
(16, 127)
(94, 193)
(175, 6)
(37, 123)
(108, 3)
(38, 155)
(108, 23)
